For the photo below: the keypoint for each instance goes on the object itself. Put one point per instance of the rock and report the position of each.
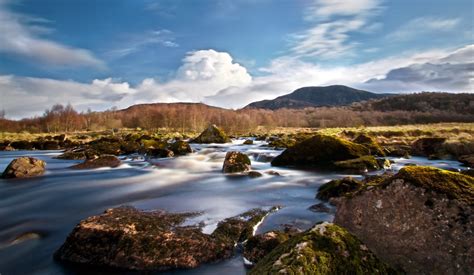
(467, 160)
(236, 162)
(22, 145)
(371, 143)
(102, 161)
(260, 245)
(181, 147)
(320, 207)
(254, 174)
(106, 146)
(212, 135)
(359, 165)
(420, 220)
(400, 151)
(324, 249)
(384, 163)
(60, 138)
(468, 172)
(24, 167)
(50, 145)
(319, 150)
(73, 155)
(130, 239)
(428, 146)
(129, 147)
(273, 173)
(7, 148)
(159, 153)
(282, 142)
(248, 142)
(153, 144)
(338, 188)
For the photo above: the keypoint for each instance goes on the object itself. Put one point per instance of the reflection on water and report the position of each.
(37, 214)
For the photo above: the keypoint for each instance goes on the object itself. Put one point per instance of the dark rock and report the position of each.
(468, 172)
(427, 146)
(212, 134)
(50, 145)
(248, 142)
(106, 146)
(320, 150)
(22, 145)
(160, 153)
(60, 138)
(102, 161)
(338, 188)
(260, 245)
(181, 147)
(320, 207)
(273, 173)
(399, 151)
(73, 155)
(24, 167)
(467, 160)
(420, 220)
(254, 174)
(236, 162)
(324, 249)
(359, 165)
(127, 238)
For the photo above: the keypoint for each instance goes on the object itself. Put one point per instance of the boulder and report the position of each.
(102, 161)
(24, 167)
(320, 150)
(260, 245)
(324, 249)
(359, 165)
(419, 220)
(130, 239)
(400, 151)
(320, 208)
(181, 147)
(428, 146)
(236, 162)
(106, 146)
(337, 188)
(159, 153)
(50, 145)
(212, 134)
(467, 160)
(73, 155)
(254, 174)
(248, 142)
(22, 145)
(371, 143)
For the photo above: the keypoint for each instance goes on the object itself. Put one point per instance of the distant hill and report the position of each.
(336, 95)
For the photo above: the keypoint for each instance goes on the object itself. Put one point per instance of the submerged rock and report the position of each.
(181, 147)
(320, 150)
(338, 188)
(212, 134)
(420, 219)
(24, 167)
(324, 249)
(102, 161)
(236, 162)
(127, 238)
(359, 165)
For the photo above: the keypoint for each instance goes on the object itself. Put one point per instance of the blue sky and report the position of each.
(103, 53)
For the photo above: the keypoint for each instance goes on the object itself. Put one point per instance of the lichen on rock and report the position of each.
(24, 167)
(236, 162)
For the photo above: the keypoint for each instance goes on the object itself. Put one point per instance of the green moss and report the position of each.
(362, 164)
(321, 150)
(338, 188)
(324, 249)
(212, 134)
(454, 185)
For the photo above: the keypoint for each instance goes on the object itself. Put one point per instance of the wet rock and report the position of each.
(181, 147)
(320, 207)
(420, 220)
(50, 145)
(102, 161)
(24, 167)
(337, 188)
(400, 151)
(212, 134)
(22, 145)
(129, 147)
(236, 162)
(467, 160)
(73, 155)
(260, 245)
(359, 165)
(248, 142)
(106, 146)
(320, 150)
(273, 173)
(264, 158)
(254, 174)
(159, 153)
(324, 249)
(153, 144)
(127, 238)
(384, 163)
(371, 143)
(428, 146)
(468, 172)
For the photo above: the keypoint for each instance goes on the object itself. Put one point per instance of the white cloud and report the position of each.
(214, 78)
(334, 22)
(423, 26)
(21, 35)
(134, 43)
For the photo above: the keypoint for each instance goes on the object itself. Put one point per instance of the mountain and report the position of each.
(336, 95)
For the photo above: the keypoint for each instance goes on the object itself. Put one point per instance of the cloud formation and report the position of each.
(214, 78)
(423, 26)
(22, 36)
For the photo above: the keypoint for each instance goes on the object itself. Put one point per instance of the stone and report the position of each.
(337, 188)
(254, 174)
(419, 220)
(73, 155)
(371, 143)
(101, 161)
(236, 162)
(428, 146)
(212, 134)
(321, 151)
(320, 207)
(159, 153)
(359, 165)
(467, 160)
(24, 167)
(260, 245)
(180, 148)
(248, 142)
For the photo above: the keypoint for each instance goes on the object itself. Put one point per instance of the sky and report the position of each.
(100, 54)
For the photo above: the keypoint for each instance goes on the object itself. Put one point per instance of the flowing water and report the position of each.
(37, 214)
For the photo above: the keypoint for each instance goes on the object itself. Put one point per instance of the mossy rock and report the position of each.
(248, 142)
(371, 143)
(153, 143)
(282, 142)
(324, 249)
(360, 165)
(181, 147)
(236, 162)
(106, 146)
(338, 188)
(159, 153)
(260, 245)
(102, 161)
(24, 167)
(212, 134)
(453, 184)
(239, 228)
(320, 150)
